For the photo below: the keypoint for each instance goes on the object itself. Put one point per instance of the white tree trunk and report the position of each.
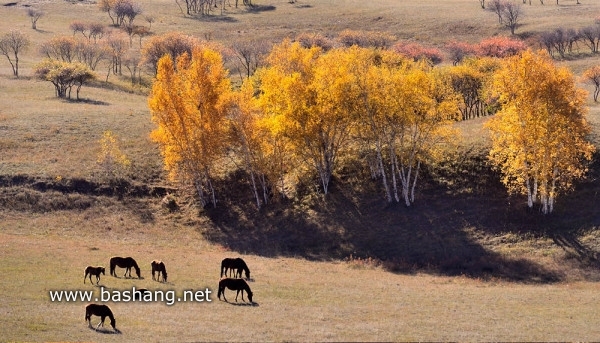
(388, 196)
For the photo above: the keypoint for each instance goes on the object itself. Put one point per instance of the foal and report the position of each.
(102, 311)
(159, 268)
(93, 271)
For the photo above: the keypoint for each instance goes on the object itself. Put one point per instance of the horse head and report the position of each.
(102, 269)
(164, 274)
(249, 295)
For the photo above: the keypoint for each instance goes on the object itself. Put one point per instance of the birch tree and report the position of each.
(310, 92)
(189, 104)
(539, 137)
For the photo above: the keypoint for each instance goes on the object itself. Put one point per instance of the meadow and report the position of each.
(467, 263)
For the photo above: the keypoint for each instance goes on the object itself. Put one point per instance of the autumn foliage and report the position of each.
(539, 136)
(189, 103)
(309, 106)
(418, 52)
(500, 46)
(592, 76)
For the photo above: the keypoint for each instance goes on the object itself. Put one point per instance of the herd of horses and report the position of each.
(231, 265)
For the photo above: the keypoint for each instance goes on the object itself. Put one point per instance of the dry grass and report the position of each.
(296, 300)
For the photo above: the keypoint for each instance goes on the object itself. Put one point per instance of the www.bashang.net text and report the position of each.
(169, 297)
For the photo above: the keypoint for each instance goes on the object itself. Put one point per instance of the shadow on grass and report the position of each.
(252, 304)
(443, 233)
(88, 101)
(106, 331)
(261, 8)
(214, 18)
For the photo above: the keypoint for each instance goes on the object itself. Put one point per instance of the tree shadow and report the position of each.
(443, 233)
(261, 8)
(214, 18)
(433, 236)
(87, 101)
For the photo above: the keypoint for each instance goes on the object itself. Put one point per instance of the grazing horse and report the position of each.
(159, 267)
(93, 271)
(236, 265)
(238, 285)
(124, 262)
(101, 311)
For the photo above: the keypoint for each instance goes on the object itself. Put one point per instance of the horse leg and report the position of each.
(97, 279)
(224, 295)
(101, 321)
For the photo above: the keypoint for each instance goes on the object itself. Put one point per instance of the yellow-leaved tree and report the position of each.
(307, 95)
(261, 146)
(539, 135)
(113, 162)
(190, 101)
(406, 115)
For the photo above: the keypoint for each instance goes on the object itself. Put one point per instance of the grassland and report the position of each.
(466, 263)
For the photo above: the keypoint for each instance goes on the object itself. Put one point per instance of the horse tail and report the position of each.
(112, 266)
(222, 267)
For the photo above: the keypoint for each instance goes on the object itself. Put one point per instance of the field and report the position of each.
(467, 263)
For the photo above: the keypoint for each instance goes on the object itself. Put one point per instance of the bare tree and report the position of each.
(249, 55)
(34, 14)
(97, 31)
(149, 19)
(91, 53)
(309, 40)
(117, 47)
(141, 32)
(131, 60)
(497, 6)
(62, 48)
(172, 43)
(591, 37)
(511, 15)
(78, 26)
(11, 44)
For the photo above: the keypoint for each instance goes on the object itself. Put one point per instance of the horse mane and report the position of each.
(135, 265)
(245, 266)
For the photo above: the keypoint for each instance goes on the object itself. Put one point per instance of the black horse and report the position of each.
(124, 262)
(159, 268)
(236, 265)
(102, 311)
(238, 285)
(93, 271)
